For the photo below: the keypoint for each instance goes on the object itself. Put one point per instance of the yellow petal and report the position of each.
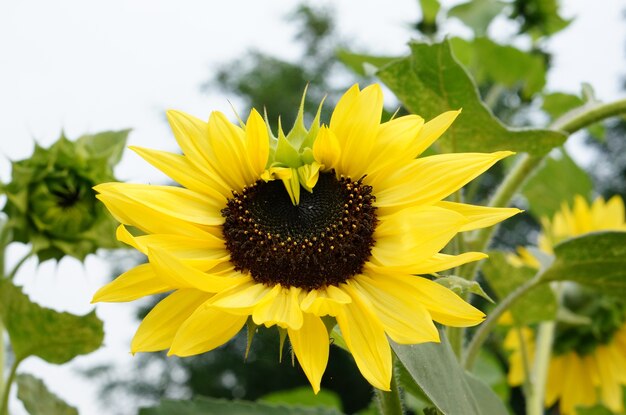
(395, 141)
(206, 329)
(200, 253)
(179, 275)
(479, 216)
(611, 389)
(433, 129)
(355, 122)
(443, 304)
(555, 382)
(283, 311)
(412, 235)
(156, 331)
(326, 149)
(243, 298)
(229, 155)
(310, 345)
(436, 263)
(175, 202)
(430, 179)
(184, 172)
(131, 285)
(365, 337)
(192, 137)
(258, 142)
(405, 320)
(325, 301)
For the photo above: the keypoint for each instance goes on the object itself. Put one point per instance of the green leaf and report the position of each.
(539, 17)
(363, 65)
(556, 182)
(431, 81)
(594, 410)
(38, 331)
(491, 63)
(435, 369)
(38, 400)
(463, 287)
(489, 369)
(477, 14)
(538, 304)
(596, 259)
(304, 396)
(209, 406)
(108, 145)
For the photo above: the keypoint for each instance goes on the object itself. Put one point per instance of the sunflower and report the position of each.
(322, 226)
(588, 363)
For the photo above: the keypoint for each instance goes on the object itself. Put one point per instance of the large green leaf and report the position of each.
(539, 304)
(477, 14)
(435, 369)
(557, 181)
(595, 259)
(431, 81)
(208, 406)
(38, 400)
(38, 331)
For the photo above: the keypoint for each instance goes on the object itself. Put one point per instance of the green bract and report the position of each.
(50, 201)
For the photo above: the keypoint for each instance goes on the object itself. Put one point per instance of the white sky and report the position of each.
(86, 66)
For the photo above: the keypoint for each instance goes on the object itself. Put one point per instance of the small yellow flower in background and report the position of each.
(330, 222)
(588, 364)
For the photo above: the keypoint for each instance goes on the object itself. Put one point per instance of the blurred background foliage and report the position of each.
(511, 82)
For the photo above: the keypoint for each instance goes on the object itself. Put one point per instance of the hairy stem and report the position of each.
(2, 358)
(389, 403)
(491, 321)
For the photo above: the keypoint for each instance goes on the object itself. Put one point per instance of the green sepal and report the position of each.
(282, 335)
(462, 286)
(252, 328)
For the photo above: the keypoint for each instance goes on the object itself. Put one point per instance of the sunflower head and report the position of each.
(325, 226)
(50, 201)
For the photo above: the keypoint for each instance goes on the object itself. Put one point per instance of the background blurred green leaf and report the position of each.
(556, 182)
(432, 81)
(597, 260)
(38, 331)
(477, 14)
(38, 400)
(434, 368)
(539, 304)
(304, 396)
(207, 406)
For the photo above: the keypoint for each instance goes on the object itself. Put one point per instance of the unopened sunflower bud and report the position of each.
(50, 200)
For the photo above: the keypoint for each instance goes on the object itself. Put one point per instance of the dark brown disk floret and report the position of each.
(324, 240)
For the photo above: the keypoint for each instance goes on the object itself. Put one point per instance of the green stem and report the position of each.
(525, 359)
(2, 357)
(543, 351)
(491, 321)
(569, 123)
(4, 405)
(17, 266)
(389, 403)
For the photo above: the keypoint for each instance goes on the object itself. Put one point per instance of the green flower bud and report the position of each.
(50, 200)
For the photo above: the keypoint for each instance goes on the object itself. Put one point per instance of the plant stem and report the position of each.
(2, 358)
(4, 402)
(17, 266)
(535, 397)
(389, 403)
(491, 321)
(569, 123)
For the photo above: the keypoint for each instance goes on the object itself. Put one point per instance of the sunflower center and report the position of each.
(325, 240)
